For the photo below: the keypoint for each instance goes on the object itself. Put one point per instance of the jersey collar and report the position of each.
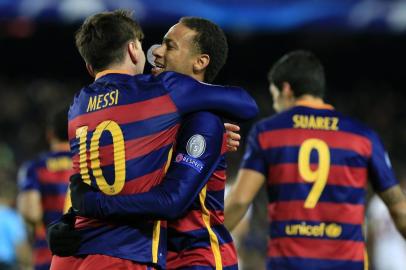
(314, 105)
(110, 71)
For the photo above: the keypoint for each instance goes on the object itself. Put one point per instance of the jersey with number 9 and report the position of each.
(316, 162)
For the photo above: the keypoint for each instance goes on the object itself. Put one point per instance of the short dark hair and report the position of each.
(57, 122)
(102, 37)
(210, 39)
(302, 70)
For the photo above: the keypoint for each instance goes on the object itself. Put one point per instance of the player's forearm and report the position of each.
(233, 213)
(398, 213)
(169, 200)
(241, 195)
(24, 256)
(30, 208)
(242, 103)
(32, 217)
(233, 102)
(157, 204)
(395, 200)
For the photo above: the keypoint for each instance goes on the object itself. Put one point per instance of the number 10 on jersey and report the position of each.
(119, 156)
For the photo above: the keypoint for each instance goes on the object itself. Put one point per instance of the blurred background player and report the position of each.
(131, 149)
(43, 184)
(316, 163)
(197, 239)
(15, 251)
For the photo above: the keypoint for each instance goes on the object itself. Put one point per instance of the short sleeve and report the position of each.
(253, 158)
(380, 169)
(27, 177)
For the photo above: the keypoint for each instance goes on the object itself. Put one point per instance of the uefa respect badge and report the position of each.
(187, 160)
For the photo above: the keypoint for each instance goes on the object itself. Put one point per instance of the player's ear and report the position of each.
(133, 51)
(287, 90)
(90, 70)
(201, 63)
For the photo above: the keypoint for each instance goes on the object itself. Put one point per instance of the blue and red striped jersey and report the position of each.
(49, 175)
(317, 163)
(199, 239)
(122, 129)
(192, 191)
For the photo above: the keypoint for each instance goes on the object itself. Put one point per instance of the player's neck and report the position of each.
(309, 99)
(57, 146)
(123, 68)
(199, 78)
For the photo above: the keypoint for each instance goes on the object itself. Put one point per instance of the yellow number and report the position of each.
(81, 134)
(119, 156)
(320, 175)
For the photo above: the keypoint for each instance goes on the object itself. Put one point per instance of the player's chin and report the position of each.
(156, 71)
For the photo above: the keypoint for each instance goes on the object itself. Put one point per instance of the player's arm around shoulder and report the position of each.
(198, 151)
(190, 95)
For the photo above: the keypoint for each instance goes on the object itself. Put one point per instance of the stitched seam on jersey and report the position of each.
(155, 240)
(157, 224)
(214, 242)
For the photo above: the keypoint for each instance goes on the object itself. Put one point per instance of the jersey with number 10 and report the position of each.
(317, 163)
(121, 130)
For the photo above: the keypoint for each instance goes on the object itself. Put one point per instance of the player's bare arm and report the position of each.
(241, 195)
(395, 200)
(24, 255)
(29, 205)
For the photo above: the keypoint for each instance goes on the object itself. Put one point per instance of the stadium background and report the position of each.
(361, 43)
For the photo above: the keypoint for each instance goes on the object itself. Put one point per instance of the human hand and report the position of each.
(62, 238)
(78, 189)
(233, 138)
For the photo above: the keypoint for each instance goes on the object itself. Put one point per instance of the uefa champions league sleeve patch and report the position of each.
(196, 146)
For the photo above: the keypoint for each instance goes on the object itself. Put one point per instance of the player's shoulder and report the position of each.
(172, 76)
(204, 120)
(52, 155)
(115, 90)
(173, 81)
(30, 167)
(36, 162)
(352, 125)
(276, 121)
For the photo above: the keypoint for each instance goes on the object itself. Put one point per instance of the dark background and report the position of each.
(365, 77)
